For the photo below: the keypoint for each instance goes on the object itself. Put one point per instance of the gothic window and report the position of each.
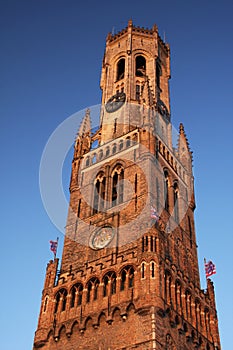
(87, 161)
(128, 142)
(60, 300)
(120, 69)
(175, 199)
(114, 149)
(127, 276)
(178, 296)
(121, 145)
(140, 66)
(107, 151)
(109, 283)
(131, 277)
(99, 193)
(117, 185)
(138, 92)
(166, 190)
(105, 286)
(143, 270)
(188, 303)
(152, 266)
(94, 159)
(168, 281)
(92, 287)
(123, 279)
(76, 295)
(100, 154)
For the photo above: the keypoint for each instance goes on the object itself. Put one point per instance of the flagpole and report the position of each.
(205, 269)
(55, 254)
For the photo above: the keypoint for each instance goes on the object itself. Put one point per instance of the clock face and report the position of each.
(115, 102)
(101, 238)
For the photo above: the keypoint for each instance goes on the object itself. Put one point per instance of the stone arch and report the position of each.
(101, 318)
(130, 308)
(62, 331)
(50, 335)
(88, 322)
(74, 327)
(116, 314)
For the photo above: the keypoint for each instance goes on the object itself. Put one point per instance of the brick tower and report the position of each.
(129, 276)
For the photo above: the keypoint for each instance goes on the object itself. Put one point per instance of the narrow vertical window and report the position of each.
(131, 277)
(190, 232)
(166, 189)
(137, 92)
(143, 270)
(136, 183)
(152, 269)
(123, 280)
(176, 206)
(118, 187)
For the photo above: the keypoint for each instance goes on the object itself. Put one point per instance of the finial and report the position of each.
(181, 128)
(130, 23)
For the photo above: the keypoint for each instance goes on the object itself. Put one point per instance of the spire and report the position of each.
(184, 152)
(85, 125)
(82, 142)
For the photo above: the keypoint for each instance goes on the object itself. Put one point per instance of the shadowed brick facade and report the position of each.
(128, 279)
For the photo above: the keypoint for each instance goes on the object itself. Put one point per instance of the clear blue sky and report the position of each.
(51, 55)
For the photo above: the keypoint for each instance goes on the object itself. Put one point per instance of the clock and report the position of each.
(115, 102)
(101, 237)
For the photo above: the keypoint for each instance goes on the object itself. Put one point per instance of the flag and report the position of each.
(154, 214)
(210, 268)
(53, 246)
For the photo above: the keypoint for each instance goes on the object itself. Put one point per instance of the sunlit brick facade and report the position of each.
(129, 276)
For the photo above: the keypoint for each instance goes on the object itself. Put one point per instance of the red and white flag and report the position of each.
(210, 268)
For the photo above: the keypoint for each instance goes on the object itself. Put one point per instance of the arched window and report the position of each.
(92, 285)
(131, 277)
(120, 69)
(175, 199)
(143, 270)
(87, 161)
(76, 295)
(105, 286)
(178, 296)
(166, 190)
(99, 193)
(152, 269)
(140, 66)
(127, 274)
(109, 283)
(168, 281)
(128, 142)
(107, 151)
(123, 279)
(117, 185)
(60, 300)
(188, 303)
(121, 145)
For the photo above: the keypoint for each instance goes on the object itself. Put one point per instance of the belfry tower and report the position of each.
(129, 276)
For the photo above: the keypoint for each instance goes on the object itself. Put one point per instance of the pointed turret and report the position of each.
(184, 153)
(83, 140)
(82, 146)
